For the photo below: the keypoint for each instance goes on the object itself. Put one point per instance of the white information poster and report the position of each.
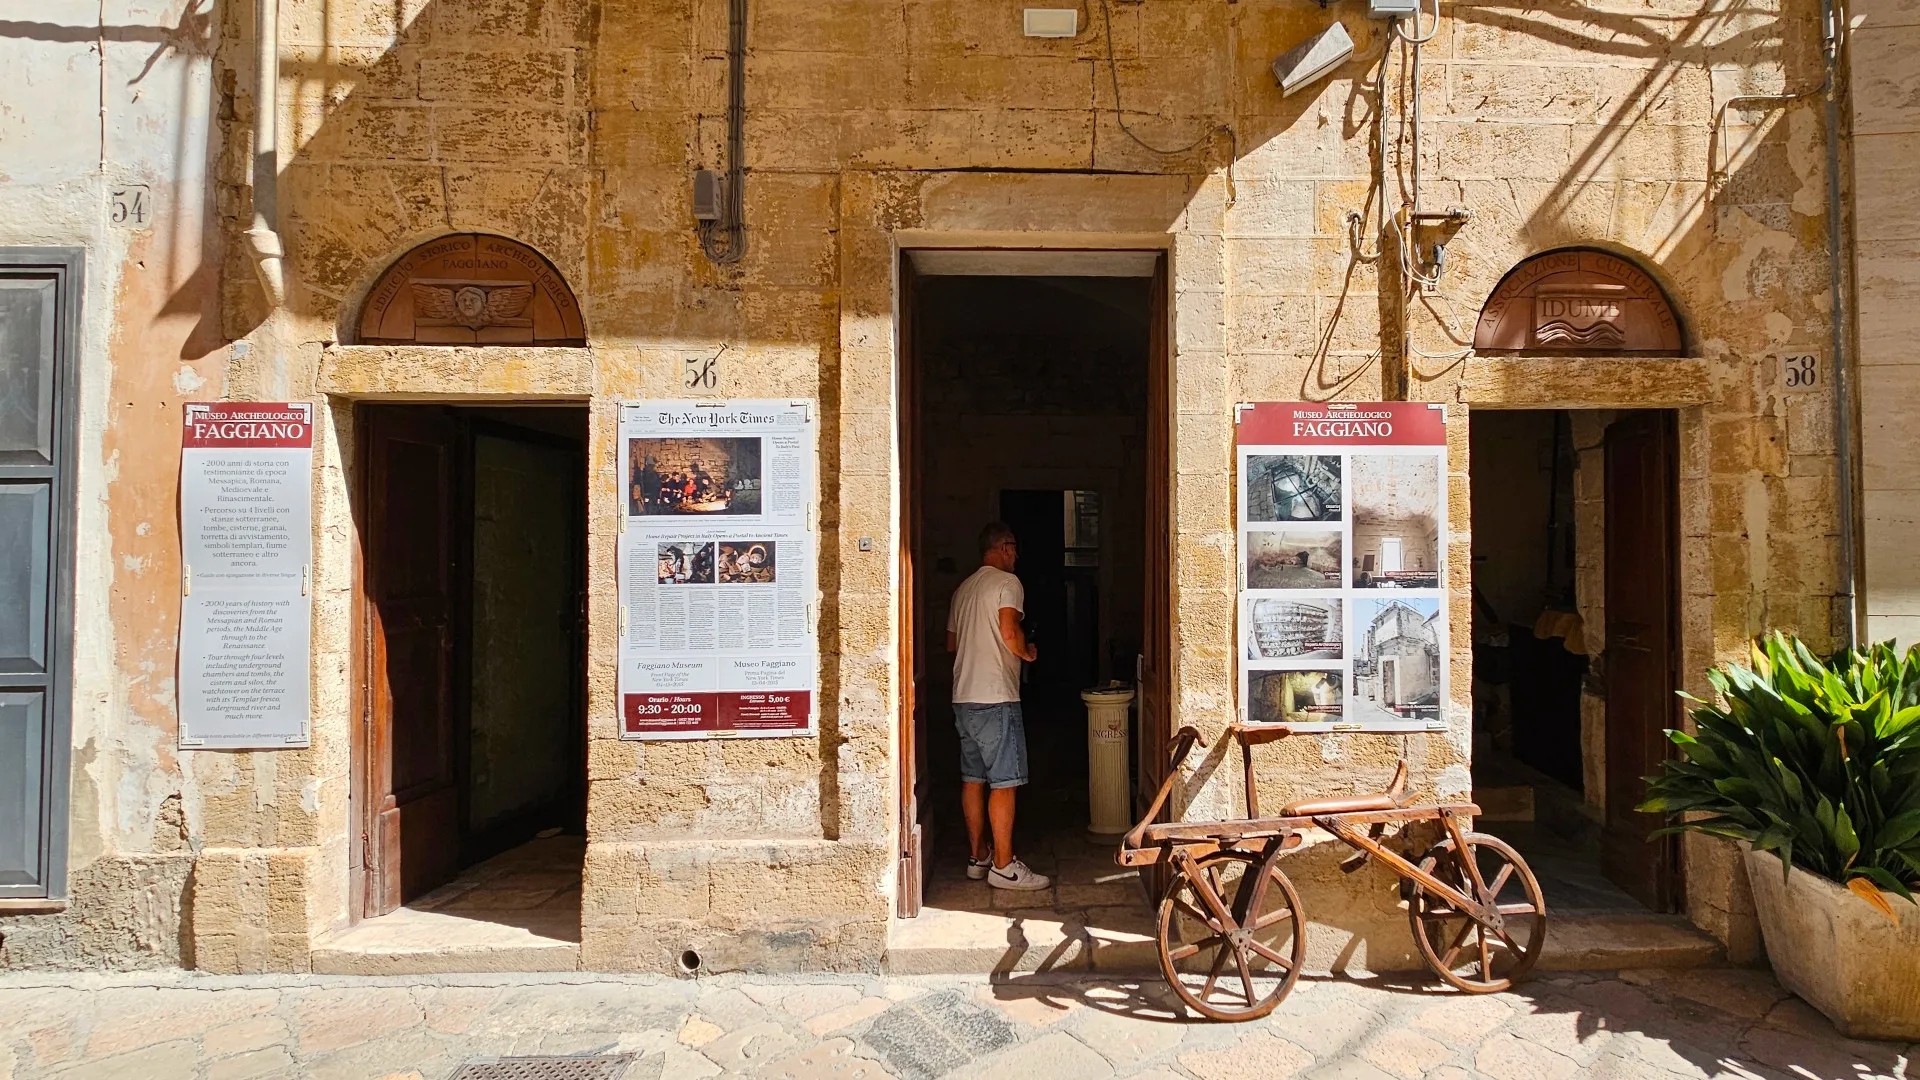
(1343, 541)
(246, 613)
(716, 564)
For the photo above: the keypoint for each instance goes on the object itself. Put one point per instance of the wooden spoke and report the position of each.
(1518, 909)
(1276, 916)
(1459, 942)
(1205, 919)
(1493, 889)
(1213, 977)
(1246, 972)
(1486, 958)
(1185, 951)
(1272, 956)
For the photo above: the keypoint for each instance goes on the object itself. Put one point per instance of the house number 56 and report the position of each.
(702, 373)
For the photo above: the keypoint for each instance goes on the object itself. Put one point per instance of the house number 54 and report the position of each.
(131, 207)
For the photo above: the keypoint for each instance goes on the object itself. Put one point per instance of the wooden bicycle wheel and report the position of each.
(1231, 935)
(1459, 948)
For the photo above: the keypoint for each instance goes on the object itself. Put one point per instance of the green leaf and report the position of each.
(1898, 829)
(1844, 838)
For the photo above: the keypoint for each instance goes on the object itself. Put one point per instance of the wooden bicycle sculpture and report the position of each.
(1231, 932)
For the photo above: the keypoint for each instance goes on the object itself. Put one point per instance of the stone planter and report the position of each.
(1839, 954)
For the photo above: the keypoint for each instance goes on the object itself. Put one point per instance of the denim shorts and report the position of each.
(993, 743)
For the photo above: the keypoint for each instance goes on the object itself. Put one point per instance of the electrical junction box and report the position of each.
(1053, 22)
(1392, 9)
(706, 196)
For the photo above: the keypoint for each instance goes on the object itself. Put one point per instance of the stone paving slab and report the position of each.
(1718, 1023)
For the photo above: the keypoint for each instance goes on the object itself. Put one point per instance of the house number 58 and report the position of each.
(1799, 372)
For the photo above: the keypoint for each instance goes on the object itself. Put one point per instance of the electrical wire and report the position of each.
(1120, 115)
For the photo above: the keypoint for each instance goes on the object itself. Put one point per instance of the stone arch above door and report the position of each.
(471, 289)
(1578, 301)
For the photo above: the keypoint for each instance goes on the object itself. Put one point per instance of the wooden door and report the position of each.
(413, 789)
(1155, 664)
(1641, 537)
(910, 880)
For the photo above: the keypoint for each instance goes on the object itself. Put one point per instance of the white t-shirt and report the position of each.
(985, 671)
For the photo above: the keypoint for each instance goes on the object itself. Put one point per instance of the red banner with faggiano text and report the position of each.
(216, 425)
(1380, 423)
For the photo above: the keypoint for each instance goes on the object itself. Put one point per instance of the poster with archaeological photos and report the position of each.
(1342, 553)
(717, 607)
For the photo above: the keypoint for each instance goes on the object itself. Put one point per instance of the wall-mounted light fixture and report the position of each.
(1391, 9)
(1052, 22)
(1313, 58)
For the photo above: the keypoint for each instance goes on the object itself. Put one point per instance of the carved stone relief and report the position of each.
(1581, 301)
(471, 289)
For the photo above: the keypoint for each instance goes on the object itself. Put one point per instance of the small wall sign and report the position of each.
(1800, 372)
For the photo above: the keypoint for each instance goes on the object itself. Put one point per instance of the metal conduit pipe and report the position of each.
(263, 241)
(725, 240)
(1842, 377)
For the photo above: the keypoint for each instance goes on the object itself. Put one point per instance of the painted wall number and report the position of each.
(1799, 372)
(131, 207)
(702, 373)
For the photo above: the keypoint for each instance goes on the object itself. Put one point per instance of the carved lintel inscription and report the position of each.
(472, 289)
(1578, 300)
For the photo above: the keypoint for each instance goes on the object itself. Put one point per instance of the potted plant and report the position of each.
(1814, 765)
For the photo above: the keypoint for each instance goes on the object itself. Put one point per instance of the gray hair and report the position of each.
(995, 534)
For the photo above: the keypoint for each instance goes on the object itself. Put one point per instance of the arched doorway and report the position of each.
(471, 289)
(472, 520)
(1575, 533)
(1578, 302)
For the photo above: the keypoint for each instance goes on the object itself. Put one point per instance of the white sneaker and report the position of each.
(977, 868)
(1018, 875)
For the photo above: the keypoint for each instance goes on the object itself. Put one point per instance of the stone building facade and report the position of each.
(870, 131)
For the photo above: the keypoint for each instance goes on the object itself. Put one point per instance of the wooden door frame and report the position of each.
(362, 806)
(1156, 729)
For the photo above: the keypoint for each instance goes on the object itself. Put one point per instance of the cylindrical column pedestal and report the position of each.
(1107, 796)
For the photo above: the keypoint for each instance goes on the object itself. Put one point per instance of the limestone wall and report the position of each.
(939, 124)
(575, 128)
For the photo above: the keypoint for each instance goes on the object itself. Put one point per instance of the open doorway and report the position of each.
(1036, 399)
(471, 751)
(1574, 639)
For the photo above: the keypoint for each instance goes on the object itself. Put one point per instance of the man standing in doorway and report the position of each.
(987, 643)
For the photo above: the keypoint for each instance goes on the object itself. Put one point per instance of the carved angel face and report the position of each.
(471, 302)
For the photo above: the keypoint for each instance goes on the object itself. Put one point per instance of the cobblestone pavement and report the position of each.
(1656, 1025)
